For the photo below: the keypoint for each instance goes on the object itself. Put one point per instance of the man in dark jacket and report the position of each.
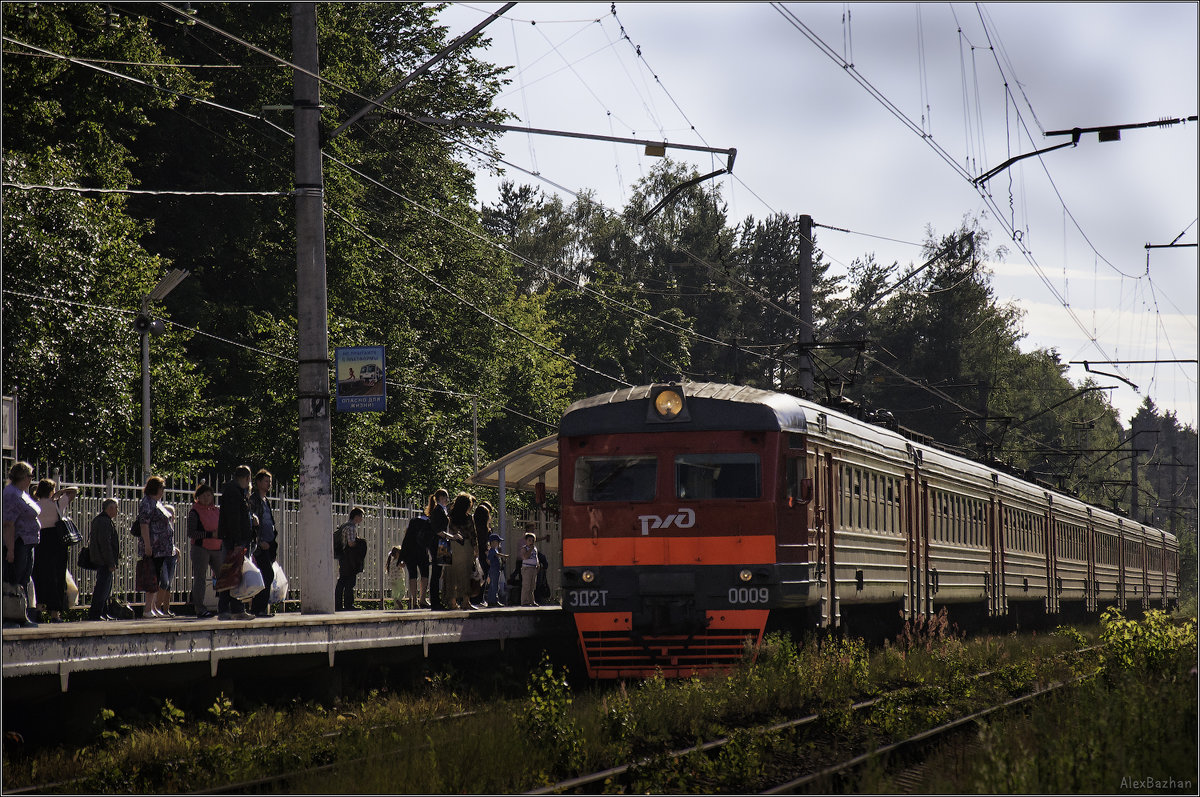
(106, 554)
(439, 519)
(236, 530)
(267, 549)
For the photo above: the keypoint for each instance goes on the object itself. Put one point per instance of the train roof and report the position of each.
(711, 407)
(721, 407)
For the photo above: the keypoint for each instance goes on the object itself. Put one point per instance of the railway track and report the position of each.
(602, 776)
(913, 774)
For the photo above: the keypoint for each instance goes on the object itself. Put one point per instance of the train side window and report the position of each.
(615, 478)
(715, 476)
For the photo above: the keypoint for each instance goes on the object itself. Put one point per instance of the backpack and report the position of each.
(339, 542)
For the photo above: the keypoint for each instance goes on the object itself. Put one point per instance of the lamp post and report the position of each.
(145, 325)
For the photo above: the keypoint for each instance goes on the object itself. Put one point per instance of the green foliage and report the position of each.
(546, 722)
(1155, 646)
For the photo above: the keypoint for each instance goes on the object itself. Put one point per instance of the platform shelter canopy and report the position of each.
(524, 468)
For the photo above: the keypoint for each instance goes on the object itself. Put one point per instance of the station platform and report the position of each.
(61, 649)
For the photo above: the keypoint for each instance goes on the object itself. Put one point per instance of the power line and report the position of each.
(265, 353)
(82, 190)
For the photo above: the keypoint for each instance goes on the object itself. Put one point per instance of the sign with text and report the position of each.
(360, 379)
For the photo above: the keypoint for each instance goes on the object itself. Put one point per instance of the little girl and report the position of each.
(394, 566)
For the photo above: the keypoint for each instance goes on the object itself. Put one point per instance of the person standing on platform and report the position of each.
(483, 529)
(106, 555)
(530, 565)
(439, 520)
(495, 565)
(21, 534)
(157, 542)
(268, 540)
(207, 557)
(462, 533)
(414, 551)
(50, 566)
(236, 530)
(345, 543)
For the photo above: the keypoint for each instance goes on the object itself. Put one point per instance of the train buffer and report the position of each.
(61, 649)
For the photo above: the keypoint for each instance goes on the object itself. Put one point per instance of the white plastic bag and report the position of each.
(72, 591)
(279, 586)
(251, 583)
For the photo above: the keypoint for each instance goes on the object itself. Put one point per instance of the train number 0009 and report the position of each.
(749, 594)
(588, 598)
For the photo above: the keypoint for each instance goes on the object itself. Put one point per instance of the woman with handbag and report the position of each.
(50, 561)
(462, 534)
(157, 543)
(202, 527)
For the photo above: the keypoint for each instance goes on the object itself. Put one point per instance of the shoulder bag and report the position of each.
(70, 532)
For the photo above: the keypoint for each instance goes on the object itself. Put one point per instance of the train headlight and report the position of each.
(588, 576)
(668, 404)
(745, 575)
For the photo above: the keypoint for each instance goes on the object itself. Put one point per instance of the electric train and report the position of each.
(693, 514)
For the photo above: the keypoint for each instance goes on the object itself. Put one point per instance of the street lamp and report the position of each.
(145, 325)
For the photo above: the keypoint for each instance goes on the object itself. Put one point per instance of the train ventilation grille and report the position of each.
(713, 648)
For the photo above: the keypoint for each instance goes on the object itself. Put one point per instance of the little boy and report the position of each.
(495, 561)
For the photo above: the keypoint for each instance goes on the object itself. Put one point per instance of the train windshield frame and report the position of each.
(718, 476)
(632, 478)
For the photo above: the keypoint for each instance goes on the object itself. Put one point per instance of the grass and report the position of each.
(390, 741)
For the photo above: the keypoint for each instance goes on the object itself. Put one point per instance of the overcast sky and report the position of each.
(811, 139)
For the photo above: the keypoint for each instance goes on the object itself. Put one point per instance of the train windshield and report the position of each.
(706, 476)
(615, 478)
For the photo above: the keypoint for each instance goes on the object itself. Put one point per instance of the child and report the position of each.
(398, 572)
(495, 562)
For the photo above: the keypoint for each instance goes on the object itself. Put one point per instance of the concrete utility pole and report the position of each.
(316, 480)
(807, 379)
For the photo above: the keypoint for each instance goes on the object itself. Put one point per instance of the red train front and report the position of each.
(684, 523)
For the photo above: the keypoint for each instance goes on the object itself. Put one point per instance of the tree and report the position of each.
(75, 263)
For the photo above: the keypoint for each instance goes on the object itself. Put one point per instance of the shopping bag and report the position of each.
(231, 571)
(15, 605)
(279, 586)
(145, 576)
(71, 592)
(251, 583)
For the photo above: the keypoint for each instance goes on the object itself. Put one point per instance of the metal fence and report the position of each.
(385, 520)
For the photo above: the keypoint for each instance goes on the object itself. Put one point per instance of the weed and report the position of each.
(545, 719)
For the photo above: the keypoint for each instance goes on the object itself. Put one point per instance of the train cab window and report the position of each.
(615, 478)
(707, 476)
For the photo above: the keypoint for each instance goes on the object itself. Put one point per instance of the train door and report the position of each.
(1120, 565)
(1050, 546)
(1089, 589)
(916, 529)
(823, 529)
(793, 543)
(994, 577)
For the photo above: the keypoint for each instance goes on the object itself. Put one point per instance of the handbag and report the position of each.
(445, 555)
(251, 582)
(231, 571)
(15, 605)
(145, 575)
(70, 532)
(85, 559)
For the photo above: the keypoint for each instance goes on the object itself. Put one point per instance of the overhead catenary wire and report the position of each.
(898, 372)
(263, 352)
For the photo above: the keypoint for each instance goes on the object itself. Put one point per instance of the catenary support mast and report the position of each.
(316, 481)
